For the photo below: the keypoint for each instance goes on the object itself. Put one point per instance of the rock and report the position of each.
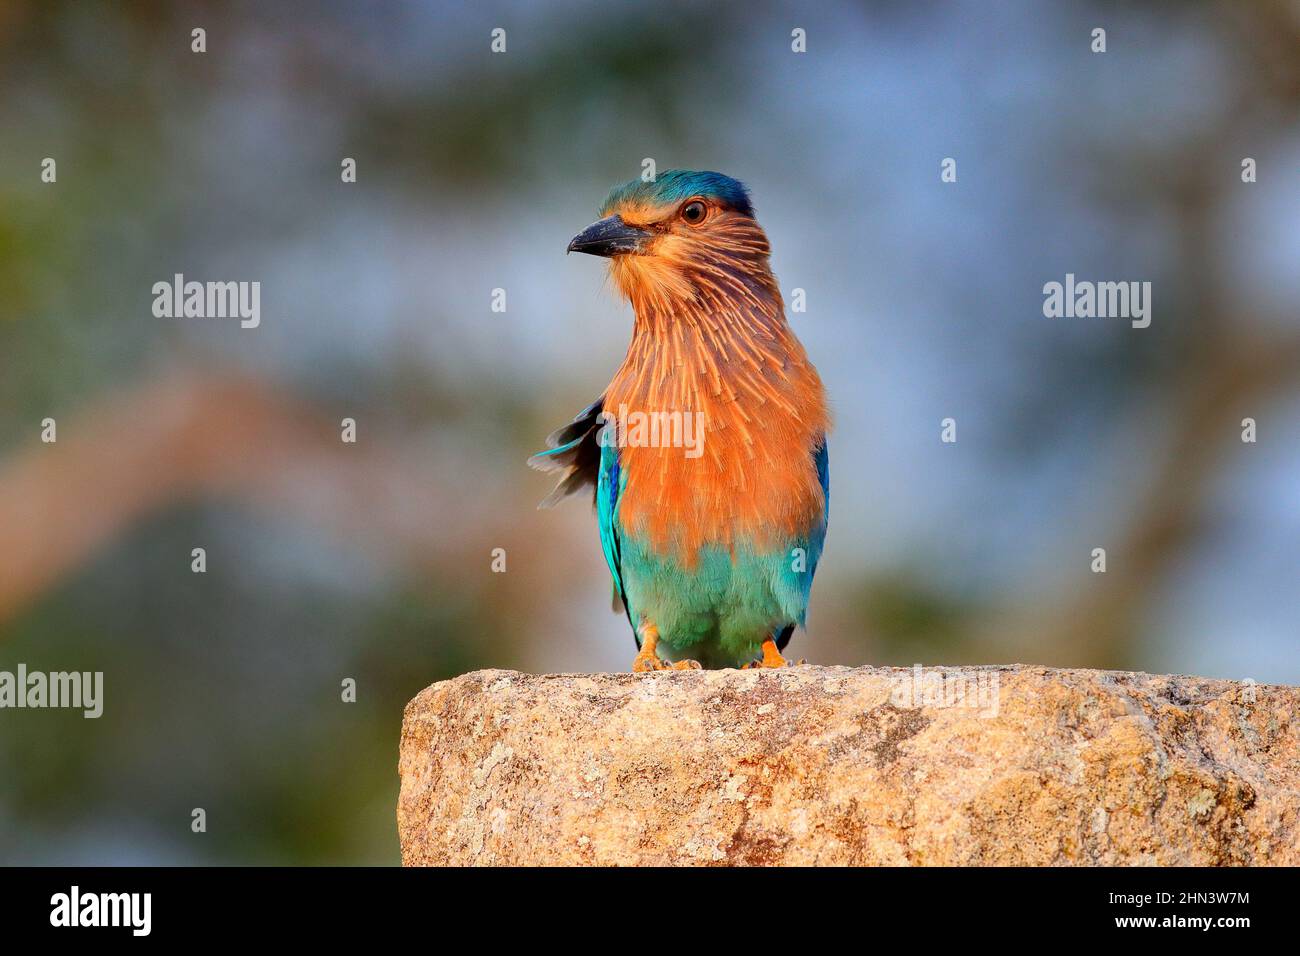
(831, 765)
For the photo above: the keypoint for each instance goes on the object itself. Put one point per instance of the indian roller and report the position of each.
(712, 516)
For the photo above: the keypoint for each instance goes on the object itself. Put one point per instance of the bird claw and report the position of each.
(771, 659)
(647, 658)
(647, 663)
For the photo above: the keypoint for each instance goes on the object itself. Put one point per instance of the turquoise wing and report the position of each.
(581, 458)
(800, 583)
(817, 540)
(609, 485)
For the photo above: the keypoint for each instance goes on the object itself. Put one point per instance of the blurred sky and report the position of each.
(474, 170)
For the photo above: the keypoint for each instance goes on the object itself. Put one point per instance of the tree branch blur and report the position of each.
(1231, 368)
(189, 436)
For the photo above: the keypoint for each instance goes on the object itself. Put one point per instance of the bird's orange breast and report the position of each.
(748, 410)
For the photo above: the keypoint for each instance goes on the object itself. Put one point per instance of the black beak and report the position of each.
(610, 236)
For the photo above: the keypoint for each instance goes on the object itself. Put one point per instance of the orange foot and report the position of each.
(771, 658)
(647, 659)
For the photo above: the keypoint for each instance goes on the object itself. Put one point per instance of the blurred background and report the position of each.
(372, 560)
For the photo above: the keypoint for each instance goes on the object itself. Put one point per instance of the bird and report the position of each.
(707, 452)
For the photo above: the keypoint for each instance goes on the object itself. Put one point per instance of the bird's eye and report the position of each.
(694, 212)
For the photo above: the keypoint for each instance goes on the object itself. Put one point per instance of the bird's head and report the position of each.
(683, 237)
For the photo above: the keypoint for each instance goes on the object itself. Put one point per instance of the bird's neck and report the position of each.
(705, 346)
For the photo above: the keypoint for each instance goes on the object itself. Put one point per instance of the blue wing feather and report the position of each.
(574, 452)
(817, 537)
(609, 484)
(578, 454)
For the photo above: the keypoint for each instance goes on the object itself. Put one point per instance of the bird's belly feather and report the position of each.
(718, 610)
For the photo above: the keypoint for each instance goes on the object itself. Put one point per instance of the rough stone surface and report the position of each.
(821, 765)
